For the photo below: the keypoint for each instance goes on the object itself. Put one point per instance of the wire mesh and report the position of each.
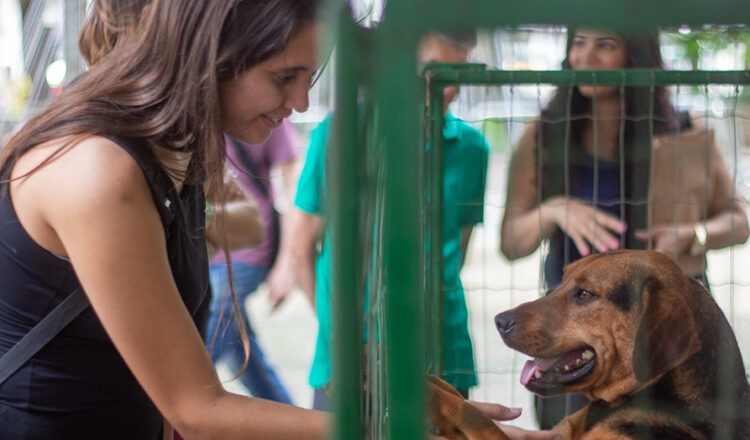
(494, 283)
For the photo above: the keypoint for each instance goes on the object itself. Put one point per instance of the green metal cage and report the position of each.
(385, 187)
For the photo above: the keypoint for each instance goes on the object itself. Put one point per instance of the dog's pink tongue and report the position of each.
(532, 366)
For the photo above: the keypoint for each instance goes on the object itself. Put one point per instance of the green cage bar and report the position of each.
(447, 74)
(397, 98)
(346, 252)
(396, 82)
(434, 165)
(612, 14)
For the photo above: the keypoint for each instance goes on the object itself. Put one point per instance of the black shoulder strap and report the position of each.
(42, 333)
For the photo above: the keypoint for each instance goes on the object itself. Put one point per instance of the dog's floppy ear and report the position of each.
(667, 334)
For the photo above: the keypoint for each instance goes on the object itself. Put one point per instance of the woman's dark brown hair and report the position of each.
(161, 86)
(108, 23)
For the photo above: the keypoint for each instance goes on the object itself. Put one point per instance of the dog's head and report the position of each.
(617, 322)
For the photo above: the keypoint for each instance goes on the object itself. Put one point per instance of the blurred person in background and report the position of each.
(269, 261)
(466, 154)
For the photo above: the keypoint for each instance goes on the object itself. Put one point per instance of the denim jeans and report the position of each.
(259, 377)
(322, 401)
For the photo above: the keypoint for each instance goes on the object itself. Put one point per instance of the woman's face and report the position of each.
(597, 50)
(256, 101)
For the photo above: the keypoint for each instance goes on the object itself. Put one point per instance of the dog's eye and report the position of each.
(583, 295)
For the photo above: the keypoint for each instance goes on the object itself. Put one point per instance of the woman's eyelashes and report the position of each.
(285, 78)
(606, 45)
(579, 43)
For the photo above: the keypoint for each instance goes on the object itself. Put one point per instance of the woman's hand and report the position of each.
(454, 417)
(671, 240)
(502, 413)
(280, 281)
(584, 224)
(516, 433)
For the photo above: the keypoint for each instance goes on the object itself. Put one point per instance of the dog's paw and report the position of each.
(454, 418)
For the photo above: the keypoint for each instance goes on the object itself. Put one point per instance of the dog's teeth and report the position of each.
(567, 368)
(538, 374)
(579, 361)
(588, 355)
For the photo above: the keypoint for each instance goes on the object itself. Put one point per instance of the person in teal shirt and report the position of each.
(466, 156)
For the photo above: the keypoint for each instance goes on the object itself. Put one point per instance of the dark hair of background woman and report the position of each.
(643, 52)
(648, 112)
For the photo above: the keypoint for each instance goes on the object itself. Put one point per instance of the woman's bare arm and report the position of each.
(525, 223)
(107, 225)
(281, 280)
(728, 226)
(306, 231)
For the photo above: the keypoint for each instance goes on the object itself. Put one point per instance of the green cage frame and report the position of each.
(383, 62)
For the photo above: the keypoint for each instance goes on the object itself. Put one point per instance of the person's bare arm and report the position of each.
(527, 222)
(306, 231)
(105, 221)
(281, 279)
(726, 225)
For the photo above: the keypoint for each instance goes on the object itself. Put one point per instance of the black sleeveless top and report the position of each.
(79, 377)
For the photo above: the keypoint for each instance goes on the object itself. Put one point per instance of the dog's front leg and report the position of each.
(457, 419)
(573, 426)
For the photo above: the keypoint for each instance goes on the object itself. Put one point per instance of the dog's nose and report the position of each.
(504, 323)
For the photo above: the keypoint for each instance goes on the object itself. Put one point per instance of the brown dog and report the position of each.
(647, 344)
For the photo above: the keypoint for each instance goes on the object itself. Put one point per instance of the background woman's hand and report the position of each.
(585, 225)
(280, 281)
(669, 239)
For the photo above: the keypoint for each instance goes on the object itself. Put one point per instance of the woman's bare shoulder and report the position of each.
(70, 180)
(525, 147)
(84, 163)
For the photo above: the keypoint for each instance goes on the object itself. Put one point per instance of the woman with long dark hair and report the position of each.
(598, 171)
(583, 137)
